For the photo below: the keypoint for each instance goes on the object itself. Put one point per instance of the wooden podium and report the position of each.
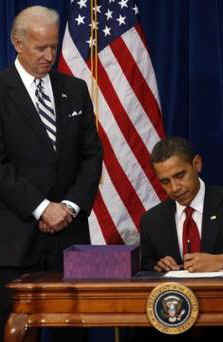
(46, 300)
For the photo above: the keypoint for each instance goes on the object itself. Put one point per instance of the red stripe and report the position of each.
(138, 83)
(107, 226)
(120, 181)
(63, 66)
(131, 135)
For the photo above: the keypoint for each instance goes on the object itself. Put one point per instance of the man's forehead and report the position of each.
(171, 166)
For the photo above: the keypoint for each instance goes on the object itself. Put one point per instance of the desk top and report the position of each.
(51, 281)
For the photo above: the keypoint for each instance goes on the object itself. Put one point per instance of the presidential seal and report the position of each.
(172, 308)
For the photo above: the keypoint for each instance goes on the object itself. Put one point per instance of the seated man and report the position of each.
(187, 229)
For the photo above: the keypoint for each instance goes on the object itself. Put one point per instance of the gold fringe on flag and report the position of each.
(94, 58)
(94, 61)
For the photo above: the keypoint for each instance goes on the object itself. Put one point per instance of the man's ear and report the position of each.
(197, 163)
(17, 44)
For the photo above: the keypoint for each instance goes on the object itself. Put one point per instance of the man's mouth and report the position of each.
(181, 197)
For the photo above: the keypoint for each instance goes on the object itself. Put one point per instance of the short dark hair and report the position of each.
(172, 146)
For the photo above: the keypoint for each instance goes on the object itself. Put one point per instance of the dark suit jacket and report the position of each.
(159, 235)
(30, 170)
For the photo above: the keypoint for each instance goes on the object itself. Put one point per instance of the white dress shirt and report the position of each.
(28, 81)
(198, 205)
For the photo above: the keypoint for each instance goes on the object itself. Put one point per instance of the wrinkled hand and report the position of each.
(166, 264)
(55, 217)
(203, 262)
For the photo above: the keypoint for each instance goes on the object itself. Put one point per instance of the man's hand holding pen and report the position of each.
(193, 262)
(202, 262)
(198, 262)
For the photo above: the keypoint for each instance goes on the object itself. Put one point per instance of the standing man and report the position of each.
(187, 229)
(50, 153)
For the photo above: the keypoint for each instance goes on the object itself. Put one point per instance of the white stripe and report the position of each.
(96, 235)
(142, 58)
(44, 109)
(47, 123)
(52, 137)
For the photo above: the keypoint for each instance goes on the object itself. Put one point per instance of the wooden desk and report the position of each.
(41, 300)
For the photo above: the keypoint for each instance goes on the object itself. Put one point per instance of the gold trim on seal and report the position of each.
(172, 308)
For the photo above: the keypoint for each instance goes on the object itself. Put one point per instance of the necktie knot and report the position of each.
(39, 87)
(189, 211)
(38, 82)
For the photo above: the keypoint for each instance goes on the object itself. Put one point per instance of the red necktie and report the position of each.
(191, 237)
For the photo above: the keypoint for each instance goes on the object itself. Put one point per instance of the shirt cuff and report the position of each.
(73, 205)
(37, 213)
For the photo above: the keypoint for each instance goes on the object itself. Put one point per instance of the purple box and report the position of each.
(101, 262)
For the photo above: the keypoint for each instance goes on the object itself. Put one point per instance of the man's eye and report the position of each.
(180, 175)
(164, 181)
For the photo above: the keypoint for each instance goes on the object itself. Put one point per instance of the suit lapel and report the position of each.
(209, 223)
(27, 110)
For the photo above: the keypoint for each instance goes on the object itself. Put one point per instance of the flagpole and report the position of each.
(94, 58)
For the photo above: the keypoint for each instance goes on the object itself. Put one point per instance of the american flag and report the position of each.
(129, 117)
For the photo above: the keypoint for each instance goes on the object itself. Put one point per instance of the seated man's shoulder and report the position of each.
(160, 208)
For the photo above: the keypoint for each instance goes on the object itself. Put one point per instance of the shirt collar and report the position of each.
(197, 203)
(27, 78)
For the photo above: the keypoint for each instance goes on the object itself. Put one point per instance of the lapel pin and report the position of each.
(213, 217)
(64, 95)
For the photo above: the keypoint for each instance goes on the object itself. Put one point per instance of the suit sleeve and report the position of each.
(16, 193)
(148, 253)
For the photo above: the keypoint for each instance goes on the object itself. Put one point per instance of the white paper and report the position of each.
(186, 274)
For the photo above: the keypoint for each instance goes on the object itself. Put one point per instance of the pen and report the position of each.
(188, 246)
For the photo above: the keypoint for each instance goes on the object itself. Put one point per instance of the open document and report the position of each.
(186, 274)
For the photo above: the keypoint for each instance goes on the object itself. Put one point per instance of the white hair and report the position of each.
(30, 15)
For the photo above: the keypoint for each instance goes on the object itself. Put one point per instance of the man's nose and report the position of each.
(175, 186)
(49, 54)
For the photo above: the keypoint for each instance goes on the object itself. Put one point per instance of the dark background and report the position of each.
(185, 43)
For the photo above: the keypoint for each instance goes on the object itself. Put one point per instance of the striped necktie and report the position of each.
(46, 111)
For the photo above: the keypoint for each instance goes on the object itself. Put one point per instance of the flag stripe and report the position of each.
(138, 83)
(111, 235)
(96, 234)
